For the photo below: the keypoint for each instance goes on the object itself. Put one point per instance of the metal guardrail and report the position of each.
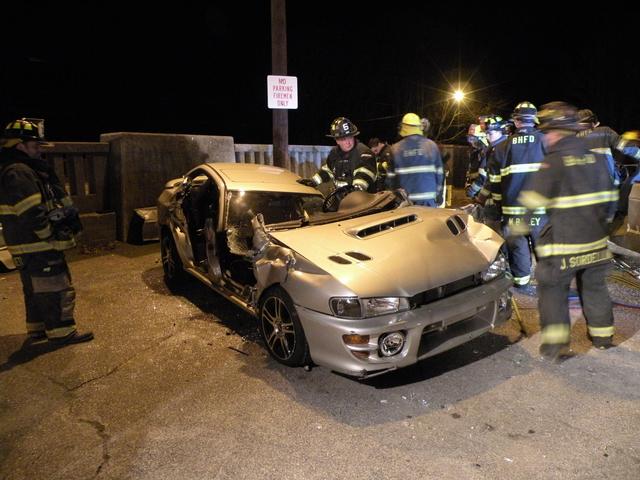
(305, 159)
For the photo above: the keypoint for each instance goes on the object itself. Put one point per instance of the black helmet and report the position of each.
(559, 116)
(22, 130)
(525, 111)
(342, 127)
(587, 117)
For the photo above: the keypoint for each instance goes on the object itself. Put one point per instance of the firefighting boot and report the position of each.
(72, 338)
(555, 352)
(602, 343)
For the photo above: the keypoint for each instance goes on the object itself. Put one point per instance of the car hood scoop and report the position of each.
(402, 252)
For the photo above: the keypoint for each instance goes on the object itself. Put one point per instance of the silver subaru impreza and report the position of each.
(376, 285)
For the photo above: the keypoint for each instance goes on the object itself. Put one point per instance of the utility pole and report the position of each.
(279, 67)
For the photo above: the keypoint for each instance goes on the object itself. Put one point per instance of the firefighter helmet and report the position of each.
(342, 127)
(587, 117)
(22, 130)
(495, 123)
(630, 138)
(559, 116)
(525, 111)
(476, 135)
(410, 125)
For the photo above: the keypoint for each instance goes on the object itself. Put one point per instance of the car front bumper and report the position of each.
(430, 329)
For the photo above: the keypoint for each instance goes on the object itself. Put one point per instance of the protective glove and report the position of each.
(307, 182)
(517, 229)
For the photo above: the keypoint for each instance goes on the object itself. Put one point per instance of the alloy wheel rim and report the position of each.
(278, 328)
(167, 258)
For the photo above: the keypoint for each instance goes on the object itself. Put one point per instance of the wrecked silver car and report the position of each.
(374, 286)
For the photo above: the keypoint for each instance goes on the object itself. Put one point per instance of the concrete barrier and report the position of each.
(141, 163)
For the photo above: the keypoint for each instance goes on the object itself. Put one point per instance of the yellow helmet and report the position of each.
(630, 138)
(411, 125)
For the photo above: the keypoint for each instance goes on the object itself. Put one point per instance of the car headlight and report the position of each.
(497, 268)
(353, 307)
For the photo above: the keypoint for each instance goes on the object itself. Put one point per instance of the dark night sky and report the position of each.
(201, 67)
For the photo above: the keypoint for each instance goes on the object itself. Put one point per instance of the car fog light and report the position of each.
(391, 343)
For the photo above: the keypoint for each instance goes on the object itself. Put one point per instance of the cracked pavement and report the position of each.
(179, 386)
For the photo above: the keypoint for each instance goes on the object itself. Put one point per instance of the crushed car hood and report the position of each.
(398, 253)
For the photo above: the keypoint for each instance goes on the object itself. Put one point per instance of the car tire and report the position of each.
(281, 329)
(172, 266)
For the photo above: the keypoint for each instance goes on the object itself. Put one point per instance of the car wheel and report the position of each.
(174, 272)
(281, 329)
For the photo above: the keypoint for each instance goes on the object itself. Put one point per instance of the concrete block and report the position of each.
(141, 163)
(98, 229)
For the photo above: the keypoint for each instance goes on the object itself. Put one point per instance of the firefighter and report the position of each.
(490, 195)
(384, 156)
(607, 141)
(574, 186)
(39, 222)
(417, 164)
(477, 169)
(348, 163)
(512, 163)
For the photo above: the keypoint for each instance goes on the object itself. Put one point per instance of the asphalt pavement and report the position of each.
(178, 386)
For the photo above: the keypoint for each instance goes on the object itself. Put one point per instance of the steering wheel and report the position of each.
(332, 201)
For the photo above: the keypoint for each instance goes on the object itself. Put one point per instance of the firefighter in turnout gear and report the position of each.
(574, 185)
(477, 169)
(384, 157)
(39, 222)
(349, 162)
(602, 139)
(512, 163)
(490, 196)
(417, 164)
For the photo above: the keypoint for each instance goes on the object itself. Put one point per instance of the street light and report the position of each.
(458, 96)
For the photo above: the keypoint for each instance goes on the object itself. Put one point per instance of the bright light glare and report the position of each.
(458, 95)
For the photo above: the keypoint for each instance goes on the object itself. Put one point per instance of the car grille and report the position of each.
(446, 290)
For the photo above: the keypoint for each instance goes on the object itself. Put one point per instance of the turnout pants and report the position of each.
(49, 296)
(553, 290)
(519, 252)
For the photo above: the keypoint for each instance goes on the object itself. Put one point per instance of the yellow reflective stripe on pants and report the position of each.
(601, 331)
(556, 333)
(522, 280)
(35, 327)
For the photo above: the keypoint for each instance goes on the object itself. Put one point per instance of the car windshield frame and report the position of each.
(279, 209)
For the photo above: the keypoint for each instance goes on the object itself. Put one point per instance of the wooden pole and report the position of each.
(279, 67)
